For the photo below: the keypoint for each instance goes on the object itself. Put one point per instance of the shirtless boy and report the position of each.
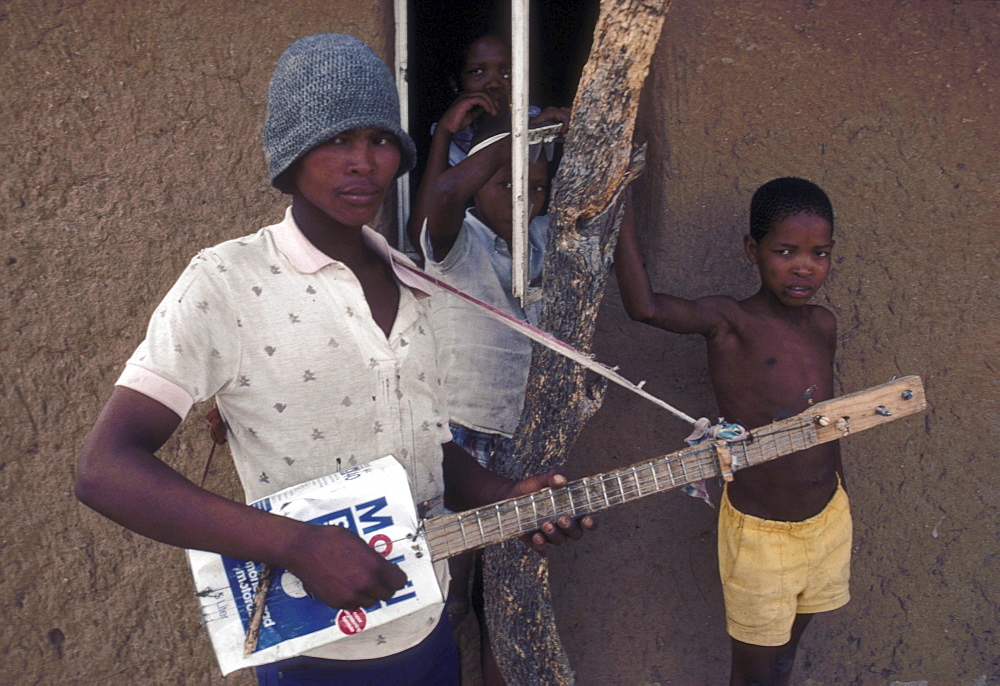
(784, 525)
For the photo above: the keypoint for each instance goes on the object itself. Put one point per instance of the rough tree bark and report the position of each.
(585, 213)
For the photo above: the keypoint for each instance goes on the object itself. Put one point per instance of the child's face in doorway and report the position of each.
(793, 258)
(487, 69)
(493, 201)
(347, 176)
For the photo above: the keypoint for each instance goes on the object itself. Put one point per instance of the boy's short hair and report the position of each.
(326, 84)
(781, 198)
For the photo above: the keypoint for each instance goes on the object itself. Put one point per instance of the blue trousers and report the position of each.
(432, 662)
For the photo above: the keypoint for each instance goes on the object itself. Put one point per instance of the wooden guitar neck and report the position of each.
(452, 534)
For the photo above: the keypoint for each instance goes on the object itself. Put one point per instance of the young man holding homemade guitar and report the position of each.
(318, 353)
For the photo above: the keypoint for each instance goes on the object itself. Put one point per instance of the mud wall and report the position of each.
(131, 139)
(891, 107)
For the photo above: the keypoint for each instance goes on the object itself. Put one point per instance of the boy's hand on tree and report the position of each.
(554, 532)
(340, 569)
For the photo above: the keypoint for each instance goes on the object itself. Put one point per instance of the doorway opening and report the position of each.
(440, 30)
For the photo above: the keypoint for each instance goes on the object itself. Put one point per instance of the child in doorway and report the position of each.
(485, 363)
(785, 525)
(484, 91)
(320, 356)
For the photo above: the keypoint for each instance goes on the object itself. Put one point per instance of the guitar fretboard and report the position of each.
(451, 534)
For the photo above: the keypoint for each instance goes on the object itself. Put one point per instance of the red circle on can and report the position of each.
(352, 621)
(381, 544)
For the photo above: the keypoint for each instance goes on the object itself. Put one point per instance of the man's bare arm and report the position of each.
(119, 475)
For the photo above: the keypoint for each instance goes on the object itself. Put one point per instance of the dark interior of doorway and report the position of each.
(439, 31)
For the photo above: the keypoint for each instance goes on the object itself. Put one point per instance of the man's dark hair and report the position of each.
(781, 198)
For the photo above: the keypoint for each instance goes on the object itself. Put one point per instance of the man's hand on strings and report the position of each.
(557, 531)
(340, 569)
(469, 485)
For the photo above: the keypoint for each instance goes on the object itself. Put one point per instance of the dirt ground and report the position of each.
(131, 140)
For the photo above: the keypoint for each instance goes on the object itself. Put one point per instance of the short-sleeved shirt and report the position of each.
(308, 384)
(485, 364)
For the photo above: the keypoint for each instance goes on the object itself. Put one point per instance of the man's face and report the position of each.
(347, 176)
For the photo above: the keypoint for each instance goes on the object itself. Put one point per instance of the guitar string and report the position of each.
(630, 483)
(454, 526)
(490, 520)
(644, 473)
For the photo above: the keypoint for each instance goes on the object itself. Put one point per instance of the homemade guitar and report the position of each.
(452, 534)
(374, 501)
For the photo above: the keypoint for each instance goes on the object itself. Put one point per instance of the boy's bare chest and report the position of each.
(766, 369)
(786, 349)
(770, 342)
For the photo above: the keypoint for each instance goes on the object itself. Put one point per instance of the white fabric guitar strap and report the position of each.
(549, 341)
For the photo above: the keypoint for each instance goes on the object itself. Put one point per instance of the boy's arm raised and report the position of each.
(119, 475)
(459, 115)
(677, 315)
(447, 196)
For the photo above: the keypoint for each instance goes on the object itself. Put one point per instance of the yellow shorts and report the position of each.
(772, 571)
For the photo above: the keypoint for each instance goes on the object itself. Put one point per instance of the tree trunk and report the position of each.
(585, 214)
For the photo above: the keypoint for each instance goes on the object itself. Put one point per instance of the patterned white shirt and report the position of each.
(485, 363)
(307, 382)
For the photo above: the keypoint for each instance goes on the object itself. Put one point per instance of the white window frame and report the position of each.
(403, 88)
(520, 70)
(520, 249)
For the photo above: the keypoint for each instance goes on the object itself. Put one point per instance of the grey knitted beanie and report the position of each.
(324, 85)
